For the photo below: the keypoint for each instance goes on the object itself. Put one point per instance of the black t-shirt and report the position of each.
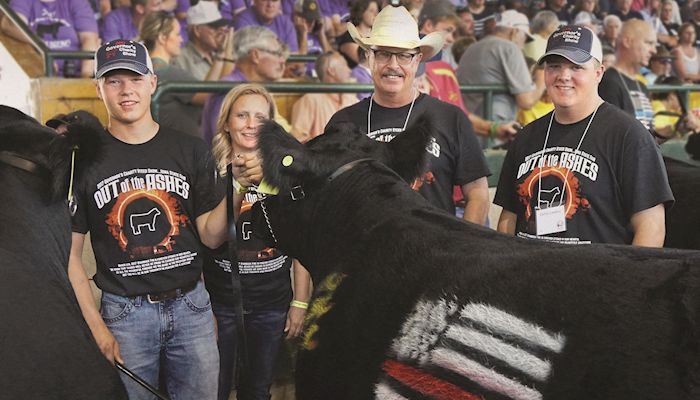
(618, 171)
(455, 156)
(140, 204)
(628, 94)
(264, 271)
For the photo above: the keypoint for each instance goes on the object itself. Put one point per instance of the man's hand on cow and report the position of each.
(247, 169)
(295, 322)
(108, 345)
(508, 130)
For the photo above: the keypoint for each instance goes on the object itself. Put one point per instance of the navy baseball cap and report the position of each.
(577, 44)
(122, 54)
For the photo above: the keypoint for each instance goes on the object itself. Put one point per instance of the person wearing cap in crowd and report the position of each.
(124, 22)
(312, 111)
(310, 30)
(620, 85)
(394, 50)
(260, 57)
(268, 14)
(60, 122)
(440, 16)
(150, 205)
(498, 59)
(587, 172)
(61, 25)
(160, 33)
(208, 33)
(660, 65)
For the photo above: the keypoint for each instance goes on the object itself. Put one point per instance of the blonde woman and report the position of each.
(264, 271)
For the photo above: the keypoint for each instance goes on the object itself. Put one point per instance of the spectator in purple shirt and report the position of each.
(267, 13)
(230, 8)
(260, 57)
(362, 73)
(123, 23)
(62, 25)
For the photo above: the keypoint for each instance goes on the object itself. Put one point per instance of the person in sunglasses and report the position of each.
(394, 51)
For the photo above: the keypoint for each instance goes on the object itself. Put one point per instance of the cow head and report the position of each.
(294, 167)
(27, 147)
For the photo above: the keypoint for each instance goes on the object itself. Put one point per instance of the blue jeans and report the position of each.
(175, 335)
(264, 331)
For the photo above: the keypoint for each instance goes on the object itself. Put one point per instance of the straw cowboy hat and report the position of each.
(395, 27)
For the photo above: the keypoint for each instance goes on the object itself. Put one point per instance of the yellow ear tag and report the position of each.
(266, 188)
(287, 161)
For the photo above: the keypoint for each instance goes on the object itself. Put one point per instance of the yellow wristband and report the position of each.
(238, 187)
(300, 304)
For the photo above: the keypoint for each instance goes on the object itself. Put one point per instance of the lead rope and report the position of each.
(241, 338)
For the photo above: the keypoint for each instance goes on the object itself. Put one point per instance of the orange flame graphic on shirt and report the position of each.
(170, 206)
(572, 186)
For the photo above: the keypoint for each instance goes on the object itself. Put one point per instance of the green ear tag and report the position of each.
(287, 161)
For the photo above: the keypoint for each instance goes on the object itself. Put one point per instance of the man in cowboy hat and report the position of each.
(394, 51)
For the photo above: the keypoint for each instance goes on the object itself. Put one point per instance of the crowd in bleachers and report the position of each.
(205, 44)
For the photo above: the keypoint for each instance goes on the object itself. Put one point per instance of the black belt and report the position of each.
(169, 294)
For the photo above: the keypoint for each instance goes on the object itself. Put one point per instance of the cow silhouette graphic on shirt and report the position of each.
(549, 197)
(144, 219)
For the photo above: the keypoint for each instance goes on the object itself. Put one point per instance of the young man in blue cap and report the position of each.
(586, 172)
(147, 205)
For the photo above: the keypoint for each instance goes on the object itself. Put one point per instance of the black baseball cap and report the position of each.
(577, 44)
(122, 54)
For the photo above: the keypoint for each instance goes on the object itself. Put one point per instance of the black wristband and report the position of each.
(224, 59)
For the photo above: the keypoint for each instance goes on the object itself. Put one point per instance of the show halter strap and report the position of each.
(17, 161)
(242, 353)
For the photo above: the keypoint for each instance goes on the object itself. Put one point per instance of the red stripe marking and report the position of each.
(426, 383)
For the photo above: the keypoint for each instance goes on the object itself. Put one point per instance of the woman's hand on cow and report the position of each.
(247, 168)
(108, 345)
(295, 322)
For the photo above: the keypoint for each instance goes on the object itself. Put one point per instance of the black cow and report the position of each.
(46, 348)
(414, 303)
(683, 219)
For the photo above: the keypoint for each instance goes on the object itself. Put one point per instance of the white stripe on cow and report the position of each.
(384, 392)
(486, 377)
(494, 347)
(422, 329)
(503, 323)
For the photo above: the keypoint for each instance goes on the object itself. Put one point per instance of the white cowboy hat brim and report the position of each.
(429, 45)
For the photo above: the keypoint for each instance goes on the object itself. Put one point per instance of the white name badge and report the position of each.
(550, 220)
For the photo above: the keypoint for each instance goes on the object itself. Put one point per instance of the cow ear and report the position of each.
(407, 154)
(284, 158)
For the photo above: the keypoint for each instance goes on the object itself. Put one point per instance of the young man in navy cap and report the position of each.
(586, 172)
(147, 205)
